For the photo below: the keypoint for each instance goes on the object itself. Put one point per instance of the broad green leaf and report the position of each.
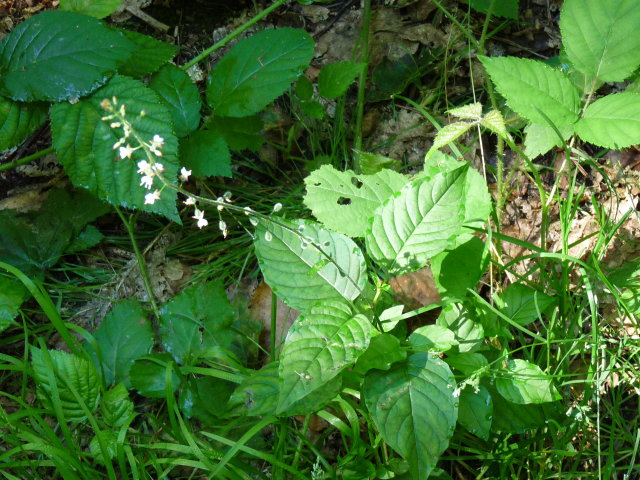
(612, 121)
(475, 412)
(316, 400)
(258, 394)
(195, 320)
(383, 351)
(344, 201)
(109, 440)
(93, 8)
(447, 134)
(320, 344)
(67, 373)
(313, 108)
(419, 222)
(305, 264)
(148, 375)
(535, 90)
(239, 133)
(432, 338)
(600, 37)
(334, 79)
(84, 145)
(123, 336)
(439, 162)
(117, 407)
(174, 86)
(523, 382)
(257, 70)
(57, 55)
(148, 56)
(468, 363)
(542, 138)
(414, 409)
(18, 121)
(12, 294)
(627, 279)
(514, 418)
(202, 397)
(501, 8)
(468, 331)
(206, 154)
(460, 268)
(87, 238)
(523, 304)
(304, 88)
(372, 163)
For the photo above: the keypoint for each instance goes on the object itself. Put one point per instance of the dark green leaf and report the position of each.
(202, 397)
(258, 394)
(148, 375)
(468, 331)
(501, 8)
(148, 56)
(383, 351)
(18, 121)
(334, 79)
(206, 153)
(117, 408)
(458, 269)
(476, 411)
(523, 304)
(12, 294)
(239, 133)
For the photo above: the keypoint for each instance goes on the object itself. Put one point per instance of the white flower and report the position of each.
(157, 167)
(223, 228)
(125, 152)
(190, 201)
(277, 207)
(184, 174)
(115, 125)
(199, 215)
(157, 141)
(146, 181)
(145, 168)
(150, 198)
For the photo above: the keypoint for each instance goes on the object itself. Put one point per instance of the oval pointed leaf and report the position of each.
(419, 222)
(344, 201)
(535, 90)
(18, 121)
(600, 37)
(476, 411)
(612, 121)
(318, 347)
(523, 382)
(84, 145)
(148, 375)
(300, 273)
(257, 70)
(334, 79)
(117, 408)
(414, 409)
(59, 55)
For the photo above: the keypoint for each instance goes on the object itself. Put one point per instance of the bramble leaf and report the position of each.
(148, 56)
(612, 121)
(18, 121)
(206, 154)
(542, 138)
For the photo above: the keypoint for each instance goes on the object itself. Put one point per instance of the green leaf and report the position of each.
(460, 268)
(304, 88)
(494, 121)
(372, 163)
(535, 90)
(468, 332)
(501, 8)
(414, 409)
(206, 153)
(542, 138)
(87, 238)
(202, 397)
(523, 304)
(419, 222)
(239, 133)
(600, 38)
(257, 70)
(18, 121)
(612, 121)
(12, 294)
(513, 418)
(109, 440)
(383, 351)
(57, 55)
(432, 338)
(313, 108)
(174, 86)
(476, 411)
(197, 319)
(123, 336)
(447, 134)
(148, 56)
(468, 363)
(117, 408)
(258, 394)
(84, 145)
(305, 264)
(523, 382)
(344, 201)
(316, 400)
(334, 79)
(93, 8)
(67, 373)
(148, 375)
(320, 344)
(471, 111)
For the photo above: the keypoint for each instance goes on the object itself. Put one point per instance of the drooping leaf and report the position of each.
(305, 264)
(334, 79)
(123, 336)
(197, 319)
(18, 121)
(148, 375)
(84, 145)
(93, 8)
(600, 38)
(535, 90)
(148, 56)
(542, 138)
(117, 407)
(239, 133)
(320, 344)
(257, 70)
(57, 55)
(12, 294)
(344, 201)
(468, 331)
(432, 338)
(475, 412)
(174, 86)
(414, 409)
(461, 268)
(523, 304)
(523, 382)
(69, 372)
(611, 121)
(501, 8)
(419, 222)
(206, 154)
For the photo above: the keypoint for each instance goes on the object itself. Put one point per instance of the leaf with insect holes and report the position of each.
(612, 121)
(523, 382)
(535, 90)
(257, 70)
(306, 264)
(344, 201)
(18, 121)
(320, 344)
(600, 37)
(149, 55)
(57, 55)
(414, 409)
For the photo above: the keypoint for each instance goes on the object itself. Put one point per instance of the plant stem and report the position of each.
(362, 81)
(234, 34)
(27, 159)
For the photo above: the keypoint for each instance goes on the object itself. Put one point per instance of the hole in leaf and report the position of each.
(357, 183)
(344, 201)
